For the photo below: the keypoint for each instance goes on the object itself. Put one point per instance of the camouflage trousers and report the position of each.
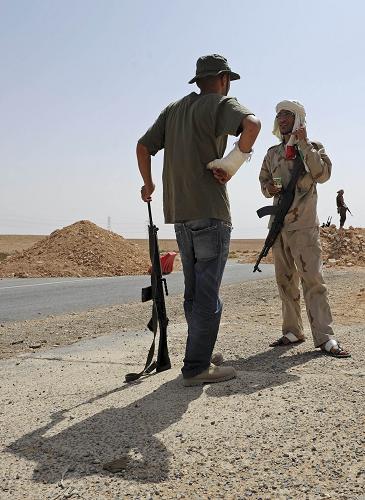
(342, 211)
(297, 258)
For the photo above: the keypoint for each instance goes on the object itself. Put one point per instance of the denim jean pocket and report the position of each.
(178, 229)
(227, 225)
(206, 243)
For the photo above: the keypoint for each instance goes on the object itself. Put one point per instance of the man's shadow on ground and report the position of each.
(129, 432)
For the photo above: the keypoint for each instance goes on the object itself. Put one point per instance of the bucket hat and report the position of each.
(213, 65)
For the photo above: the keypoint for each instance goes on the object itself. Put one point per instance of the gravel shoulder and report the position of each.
(290, 426)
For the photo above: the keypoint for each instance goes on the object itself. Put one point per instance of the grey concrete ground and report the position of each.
(290, 426)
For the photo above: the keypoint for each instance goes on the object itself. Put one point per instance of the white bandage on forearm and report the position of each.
(232, 161)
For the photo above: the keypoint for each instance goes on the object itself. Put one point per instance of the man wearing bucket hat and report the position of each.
(193, 133)
(297, 249)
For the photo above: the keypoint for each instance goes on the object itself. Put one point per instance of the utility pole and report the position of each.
(109, 223)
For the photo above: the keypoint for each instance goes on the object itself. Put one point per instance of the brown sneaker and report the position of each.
(211, 375)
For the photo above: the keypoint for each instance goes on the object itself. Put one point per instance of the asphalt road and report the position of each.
(29, 298)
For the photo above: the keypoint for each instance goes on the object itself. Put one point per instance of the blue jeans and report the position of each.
(204, 247)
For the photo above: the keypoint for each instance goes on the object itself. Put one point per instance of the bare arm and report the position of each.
(251, 127)
(144, 165)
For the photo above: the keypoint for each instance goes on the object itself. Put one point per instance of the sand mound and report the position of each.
(340, 247)
(81, 249)
(343, 247)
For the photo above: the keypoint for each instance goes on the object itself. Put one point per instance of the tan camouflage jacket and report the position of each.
(303, 212)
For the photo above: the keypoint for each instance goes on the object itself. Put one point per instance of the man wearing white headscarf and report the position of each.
(297, 249)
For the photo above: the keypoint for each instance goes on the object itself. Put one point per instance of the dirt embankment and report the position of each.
(81, 249)
(340, 247)
(343, 247)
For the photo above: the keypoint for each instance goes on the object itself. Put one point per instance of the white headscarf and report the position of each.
(299, 112)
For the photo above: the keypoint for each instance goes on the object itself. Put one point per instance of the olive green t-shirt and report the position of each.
(193, 131)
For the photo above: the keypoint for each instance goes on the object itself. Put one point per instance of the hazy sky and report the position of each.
(81, 81)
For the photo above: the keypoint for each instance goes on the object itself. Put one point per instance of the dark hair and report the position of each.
(208, 81)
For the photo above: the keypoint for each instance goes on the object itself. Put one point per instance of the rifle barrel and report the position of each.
(150, 213)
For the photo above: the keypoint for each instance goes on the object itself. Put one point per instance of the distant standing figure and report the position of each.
(341, 207)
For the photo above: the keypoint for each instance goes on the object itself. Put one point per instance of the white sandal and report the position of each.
(287, 339)
(333, 348)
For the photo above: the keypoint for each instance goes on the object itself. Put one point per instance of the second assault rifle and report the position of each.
(159, 320)
(280, 210)
(328, 223)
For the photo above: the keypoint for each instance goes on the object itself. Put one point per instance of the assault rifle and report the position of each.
(347, 210)
(159, 320)
(280, 210)
(328, 223)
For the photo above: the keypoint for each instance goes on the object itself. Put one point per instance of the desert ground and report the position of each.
(10, 243)
(291, 426)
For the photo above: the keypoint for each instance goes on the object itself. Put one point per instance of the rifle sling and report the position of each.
(157, 319)
(149, 366)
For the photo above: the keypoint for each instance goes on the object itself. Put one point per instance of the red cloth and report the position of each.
(167, 262)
